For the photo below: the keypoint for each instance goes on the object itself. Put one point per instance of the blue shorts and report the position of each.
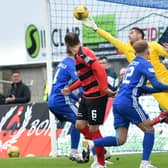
(125, 113)
(65, 112)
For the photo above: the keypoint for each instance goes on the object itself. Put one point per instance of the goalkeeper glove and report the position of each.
(90, 23)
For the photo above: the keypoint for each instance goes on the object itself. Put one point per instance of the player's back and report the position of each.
(65, 74)
(134, 80)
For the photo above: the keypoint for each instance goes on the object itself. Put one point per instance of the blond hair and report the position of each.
(140, 46)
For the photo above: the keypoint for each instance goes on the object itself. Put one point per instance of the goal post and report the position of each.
(49, 70)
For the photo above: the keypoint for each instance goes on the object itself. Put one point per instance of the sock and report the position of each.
(75, 137)
(107, 141)
(91, 136)
(145, 162)
(100, 151)
(148, 142)
(74, 150)
(86, 133)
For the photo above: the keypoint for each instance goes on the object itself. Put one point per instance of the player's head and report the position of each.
(103, 61)
(135, 34)
(72, 42)
(141, 48)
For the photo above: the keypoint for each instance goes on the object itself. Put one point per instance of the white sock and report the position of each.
(91, 144)
(145, 162)
(74, 151)
(95, 158)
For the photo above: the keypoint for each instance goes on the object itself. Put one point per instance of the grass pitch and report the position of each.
(119, 161)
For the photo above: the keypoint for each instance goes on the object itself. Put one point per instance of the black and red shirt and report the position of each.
(92, 76)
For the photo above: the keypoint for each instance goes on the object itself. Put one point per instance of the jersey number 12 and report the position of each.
(129, 73)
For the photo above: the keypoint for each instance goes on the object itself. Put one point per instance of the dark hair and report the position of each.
(15, 71)
(140, 46)
(139, 30)
(72, 39)
(103, 57)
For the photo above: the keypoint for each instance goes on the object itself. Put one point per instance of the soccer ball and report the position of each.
(13, 151)
(81, 12)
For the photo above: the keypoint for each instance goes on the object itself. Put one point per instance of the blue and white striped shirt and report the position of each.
(134, 82)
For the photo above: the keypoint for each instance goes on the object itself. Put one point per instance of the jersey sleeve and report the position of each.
(146, 89)
(72, 72)
(148, 71)
(159, 49)
(126, 49)
(75, 85)
(100, 74)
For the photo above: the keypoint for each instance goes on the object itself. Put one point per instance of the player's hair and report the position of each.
(139, 30)
(103, 57)
(140, 46)
(69, 52)
(72, 39)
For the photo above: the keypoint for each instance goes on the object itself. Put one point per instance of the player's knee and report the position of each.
(93, 128)
(149, 128)
(80, 124)
(122, 140)
(145, 126)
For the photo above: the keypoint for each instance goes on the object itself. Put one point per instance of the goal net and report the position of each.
(117, 17)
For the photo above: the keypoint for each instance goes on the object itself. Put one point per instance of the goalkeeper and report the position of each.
(156, 50)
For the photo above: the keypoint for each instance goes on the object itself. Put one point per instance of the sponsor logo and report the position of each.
(13, 124)
(32, 41)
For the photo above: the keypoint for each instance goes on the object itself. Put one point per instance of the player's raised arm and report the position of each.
(123, 47)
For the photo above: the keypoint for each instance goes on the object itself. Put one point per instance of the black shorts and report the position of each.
(92, 110)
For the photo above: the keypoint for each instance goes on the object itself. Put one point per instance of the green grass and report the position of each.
(125, 161)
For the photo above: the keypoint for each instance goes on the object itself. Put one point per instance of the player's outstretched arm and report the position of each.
(149, 90)
(159, 86)
(125, 48)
